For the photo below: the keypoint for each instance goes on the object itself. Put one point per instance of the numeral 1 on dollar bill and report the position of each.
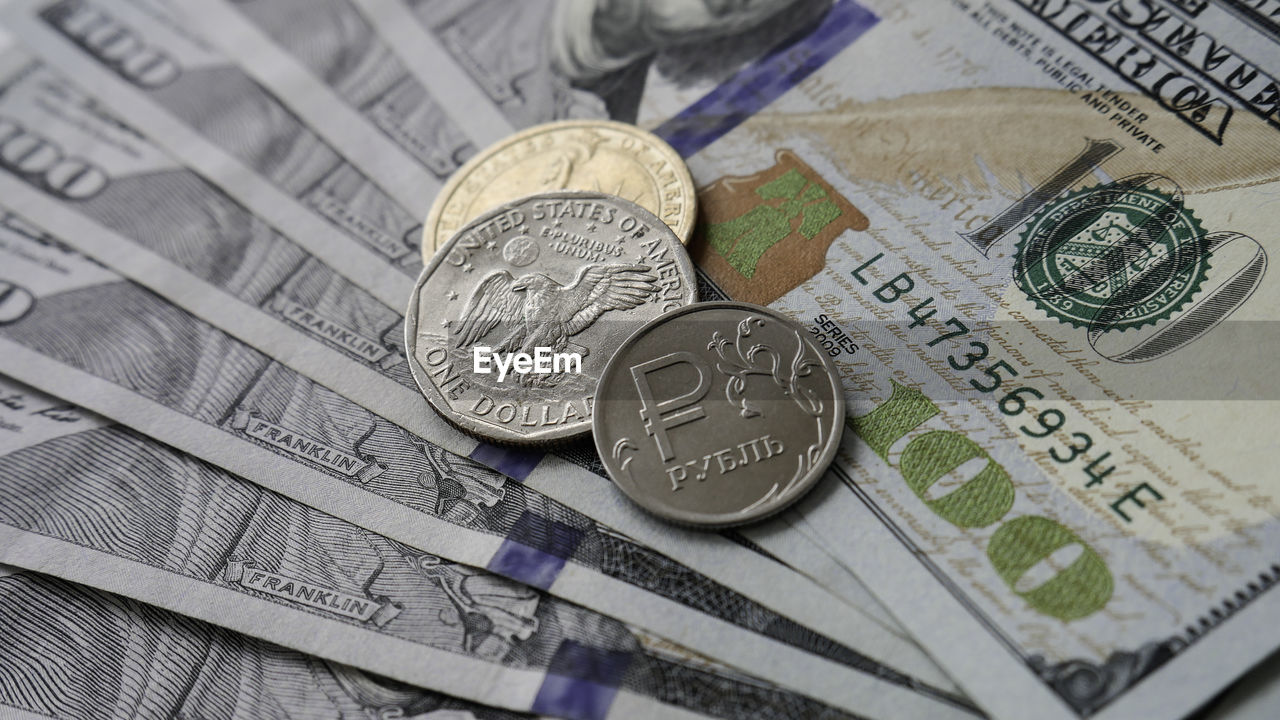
(1094, 154)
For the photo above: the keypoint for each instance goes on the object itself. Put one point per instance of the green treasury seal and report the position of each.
(1111, 244)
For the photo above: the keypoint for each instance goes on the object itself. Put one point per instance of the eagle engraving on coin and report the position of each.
(540, 312)
(508, 344)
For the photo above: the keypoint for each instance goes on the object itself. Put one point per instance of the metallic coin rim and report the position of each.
(705, 520)
(496, 434)
(684, 230)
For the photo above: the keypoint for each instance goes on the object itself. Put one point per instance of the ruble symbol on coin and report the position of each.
(718, 414)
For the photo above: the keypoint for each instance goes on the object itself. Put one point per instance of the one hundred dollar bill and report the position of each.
(134, 517)
(329, 65)
(653, 64)
(75, 328)
(1034, 236)
(206, 252)
(188, 97)
(58, 635)
(1038, 252)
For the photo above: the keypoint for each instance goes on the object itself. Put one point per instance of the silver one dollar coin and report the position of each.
(514, 319)
(718, 414)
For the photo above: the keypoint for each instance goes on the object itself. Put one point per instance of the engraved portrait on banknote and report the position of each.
(262, 544)
(337, 45)
(167, 665)
(129, 186)
(544, 60)
(211, 95)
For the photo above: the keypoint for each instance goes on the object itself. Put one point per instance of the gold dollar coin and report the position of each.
(592, 155)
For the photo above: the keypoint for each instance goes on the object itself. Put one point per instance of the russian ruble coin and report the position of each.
(511, 324)
(718, 414)
(589, 155)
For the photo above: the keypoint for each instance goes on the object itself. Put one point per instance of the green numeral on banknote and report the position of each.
(745, 238)
(906, 410)
(1025, 551)
(980, 501)
(1079, 589)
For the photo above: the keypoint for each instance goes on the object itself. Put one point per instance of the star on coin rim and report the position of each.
(726, 520)
(683, 230)
(482, 431)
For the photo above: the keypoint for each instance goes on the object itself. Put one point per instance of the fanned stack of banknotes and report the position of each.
(1028, 236)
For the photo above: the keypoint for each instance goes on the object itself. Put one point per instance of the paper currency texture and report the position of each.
(168, 374)
(310, 326)
(216, 547)
(1034, 238)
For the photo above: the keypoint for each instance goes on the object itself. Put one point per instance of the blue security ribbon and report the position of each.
(535, 550)
(515, 464)
(581, 681)
(767, 79)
